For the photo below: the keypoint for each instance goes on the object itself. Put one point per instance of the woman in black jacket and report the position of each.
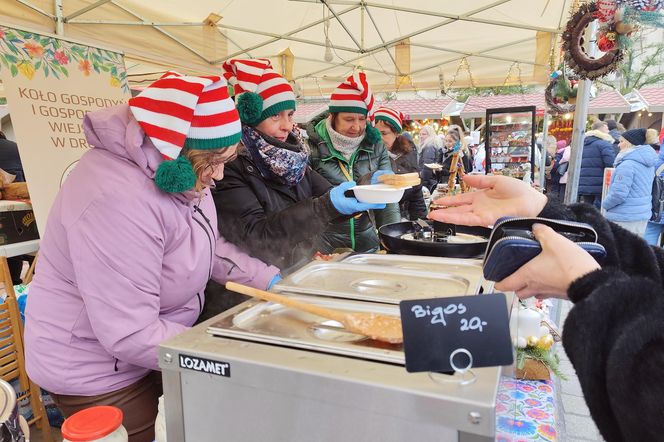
(403, 156)
(280, 202)
(270, 202)
(614, 335)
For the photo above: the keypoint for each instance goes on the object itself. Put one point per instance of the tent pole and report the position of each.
(59, 18)
(580, 117)
(542, 164)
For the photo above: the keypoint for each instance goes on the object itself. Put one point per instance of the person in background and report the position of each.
(564, 159)
(613, 334)
(550, 180)
(615, 133)
(10, 162)
(130, 242)
(628, 202)
(598, 154)
(270, 202)
(558, 170)
(430, 153)
(454, 142)
(479, 158)
(345, 147)
(652, 138)
(655, 228)
(403, 157)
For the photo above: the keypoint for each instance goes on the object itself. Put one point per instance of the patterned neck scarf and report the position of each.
(343, 144)
(282, 161)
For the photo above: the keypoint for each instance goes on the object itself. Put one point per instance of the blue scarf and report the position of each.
(284, 162)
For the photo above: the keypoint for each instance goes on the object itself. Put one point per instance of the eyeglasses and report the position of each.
(216, 162)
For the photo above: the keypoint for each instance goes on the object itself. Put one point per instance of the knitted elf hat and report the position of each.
(180, 111)
(261, 92)
(391, 116)
(354, 96)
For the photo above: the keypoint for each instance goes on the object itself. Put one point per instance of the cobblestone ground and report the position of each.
(574, 421)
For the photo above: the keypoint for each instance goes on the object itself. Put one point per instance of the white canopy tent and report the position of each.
(402, 45)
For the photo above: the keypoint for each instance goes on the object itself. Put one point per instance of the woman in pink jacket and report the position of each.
(130, 243)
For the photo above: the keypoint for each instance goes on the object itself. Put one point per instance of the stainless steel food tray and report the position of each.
(270, 323)
(470, 269)
(381, 283)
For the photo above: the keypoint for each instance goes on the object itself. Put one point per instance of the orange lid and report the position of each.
(92, 423)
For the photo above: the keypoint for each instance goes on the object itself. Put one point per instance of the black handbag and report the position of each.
(512, 244)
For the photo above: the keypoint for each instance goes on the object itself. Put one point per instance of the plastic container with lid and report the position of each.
(95, 424)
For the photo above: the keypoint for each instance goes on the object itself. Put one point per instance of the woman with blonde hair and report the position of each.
(130, 243)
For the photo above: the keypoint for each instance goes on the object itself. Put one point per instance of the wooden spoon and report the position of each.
(376, 326)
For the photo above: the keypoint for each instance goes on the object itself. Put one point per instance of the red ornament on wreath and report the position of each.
(605, 43)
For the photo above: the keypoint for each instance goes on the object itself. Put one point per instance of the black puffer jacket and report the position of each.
(272, 221)
(614, 335)
(412, 203)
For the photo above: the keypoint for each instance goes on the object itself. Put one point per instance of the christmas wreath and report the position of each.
(573, 46)
(560, 94)
(618, 20)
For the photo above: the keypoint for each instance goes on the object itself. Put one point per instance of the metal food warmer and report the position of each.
(264, 372)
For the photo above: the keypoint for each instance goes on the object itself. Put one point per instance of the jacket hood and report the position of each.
(645, 155)
(114, 129)
(601, 135)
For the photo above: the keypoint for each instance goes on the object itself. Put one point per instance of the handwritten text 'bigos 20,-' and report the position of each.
(437, 316)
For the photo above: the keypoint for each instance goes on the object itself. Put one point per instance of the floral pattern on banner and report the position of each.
(525, 411)
(27, 53)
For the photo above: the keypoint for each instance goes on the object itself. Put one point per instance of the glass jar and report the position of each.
(95, 424)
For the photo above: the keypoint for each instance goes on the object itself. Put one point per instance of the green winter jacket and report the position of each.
(358, 233)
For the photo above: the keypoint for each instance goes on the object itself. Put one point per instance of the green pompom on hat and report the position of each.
(202, 117)
(261, 92)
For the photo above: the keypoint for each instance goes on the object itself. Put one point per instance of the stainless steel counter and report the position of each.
(262, 372)
(276, 393)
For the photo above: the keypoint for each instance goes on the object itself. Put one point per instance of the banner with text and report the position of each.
(50, 84)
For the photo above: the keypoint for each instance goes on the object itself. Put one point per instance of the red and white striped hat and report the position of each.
(353, 95)
(392, 116)
(179, 111)
(261, 92)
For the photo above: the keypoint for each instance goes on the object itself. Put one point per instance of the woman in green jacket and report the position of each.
(346, 147)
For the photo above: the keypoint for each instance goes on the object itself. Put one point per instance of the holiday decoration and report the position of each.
(642, 5)
(560, 94)
(618, 19)
(584, 65)
(533, 342)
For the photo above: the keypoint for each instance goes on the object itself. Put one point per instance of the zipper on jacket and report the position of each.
(200, 304)
(115, 365)
(197, 209)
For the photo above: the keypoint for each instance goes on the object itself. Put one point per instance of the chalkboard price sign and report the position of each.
(448, 334)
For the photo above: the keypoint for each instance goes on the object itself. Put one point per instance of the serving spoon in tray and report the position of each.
(377, 326)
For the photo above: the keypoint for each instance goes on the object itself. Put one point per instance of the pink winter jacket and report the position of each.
(122, 265)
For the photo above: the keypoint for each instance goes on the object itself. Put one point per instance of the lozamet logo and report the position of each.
(28, 219)
(205, 365)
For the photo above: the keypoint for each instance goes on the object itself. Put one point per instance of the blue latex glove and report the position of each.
(275, 280)
(374, 177)
(349, 205)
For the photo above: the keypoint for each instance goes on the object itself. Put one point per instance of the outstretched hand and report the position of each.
(495, 197)
(551, 272)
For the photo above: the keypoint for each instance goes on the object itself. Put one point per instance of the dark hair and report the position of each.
(334, 115)
(611, 124)
(401, 145)
(2, 135)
